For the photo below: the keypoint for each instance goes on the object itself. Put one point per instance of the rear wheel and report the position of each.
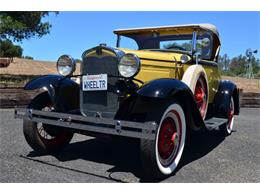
(226, 129)
(161, 157)
(196, 78)
(41, 137)
(201, 94)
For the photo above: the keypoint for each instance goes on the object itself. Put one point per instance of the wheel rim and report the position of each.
(169, 138)
(47, 138)
(201, 95)
(230, 116)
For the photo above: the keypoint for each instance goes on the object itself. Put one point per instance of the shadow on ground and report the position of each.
(124, 155)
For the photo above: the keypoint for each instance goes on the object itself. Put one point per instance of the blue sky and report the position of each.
(74, 32)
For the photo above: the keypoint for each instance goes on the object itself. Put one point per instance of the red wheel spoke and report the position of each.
(230, 114)
(201, 95)
(173, 137)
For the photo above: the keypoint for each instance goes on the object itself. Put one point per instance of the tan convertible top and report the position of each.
(209, 27)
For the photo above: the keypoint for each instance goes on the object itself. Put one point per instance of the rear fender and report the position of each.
(152, 97)
(222, 99)
(63, 92)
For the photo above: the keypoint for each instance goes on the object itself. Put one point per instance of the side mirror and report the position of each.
(197, 57)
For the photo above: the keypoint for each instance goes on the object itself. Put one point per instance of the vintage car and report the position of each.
(157, 94)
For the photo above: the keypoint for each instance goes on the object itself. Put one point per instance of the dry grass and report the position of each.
(29, 67)
(248, 85)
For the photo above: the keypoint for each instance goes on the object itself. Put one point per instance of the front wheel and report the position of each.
(41, 137)
(161, 157)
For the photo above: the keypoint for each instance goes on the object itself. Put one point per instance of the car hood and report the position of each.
(157, 64)
(155, 56)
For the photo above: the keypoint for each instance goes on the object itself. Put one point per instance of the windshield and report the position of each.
(175, 42)
(156, 41)
(180, 43)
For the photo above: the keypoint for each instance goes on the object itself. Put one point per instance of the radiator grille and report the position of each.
(101, 102)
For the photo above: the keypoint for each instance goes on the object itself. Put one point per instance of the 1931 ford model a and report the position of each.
(158, 94)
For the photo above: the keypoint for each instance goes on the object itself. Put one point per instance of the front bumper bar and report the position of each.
(146, 130)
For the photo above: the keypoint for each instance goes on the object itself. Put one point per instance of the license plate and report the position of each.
(94, 82)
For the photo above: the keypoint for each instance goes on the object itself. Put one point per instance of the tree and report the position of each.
(237, 65)
(17, 26)
(8, 49)
(223, 62)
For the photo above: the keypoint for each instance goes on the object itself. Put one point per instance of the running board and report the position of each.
(213, 123)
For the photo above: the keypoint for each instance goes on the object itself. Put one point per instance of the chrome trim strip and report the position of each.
(157, 60)
(118, 40)
(208, 63)
(194, 42)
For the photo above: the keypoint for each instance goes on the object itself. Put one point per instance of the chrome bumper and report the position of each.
(146, 130)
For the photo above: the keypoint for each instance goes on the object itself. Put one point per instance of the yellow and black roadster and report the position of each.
(158, 93)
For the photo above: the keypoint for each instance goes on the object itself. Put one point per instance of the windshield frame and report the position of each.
(191, 52)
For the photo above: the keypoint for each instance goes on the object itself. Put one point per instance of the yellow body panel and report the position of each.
(155, 65)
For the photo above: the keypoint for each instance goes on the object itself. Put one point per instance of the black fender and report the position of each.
(222, 99)
(151, 97)
(63, 92)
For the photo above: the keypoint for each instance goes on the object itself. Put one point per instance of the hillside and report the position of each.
(248, 85)
(34, 67)
(29, 67)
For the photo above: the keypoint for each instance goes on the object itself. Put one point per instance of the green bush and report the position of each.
(28, 57)
(8, 49)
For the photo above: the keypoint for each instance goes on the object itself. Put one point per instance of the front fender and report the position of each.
(152, 96)
(63, 92)
(164, 88)
(43, 81)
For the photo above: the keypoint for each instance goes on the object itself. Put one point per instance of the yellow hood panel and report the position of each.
(156, 65)
(154, 55)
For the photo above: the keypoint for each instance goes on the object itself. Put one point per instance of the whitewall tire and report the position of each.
(167, 163)
(227, 128)
(161, 157)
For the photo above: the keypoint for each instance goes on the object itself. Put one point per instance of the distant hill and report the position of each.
(248, 85)
(35, 67)
(30, 67)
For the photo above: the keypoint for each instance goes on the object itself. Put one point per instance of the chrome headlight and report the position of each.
(66, 65)
(129, 65)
